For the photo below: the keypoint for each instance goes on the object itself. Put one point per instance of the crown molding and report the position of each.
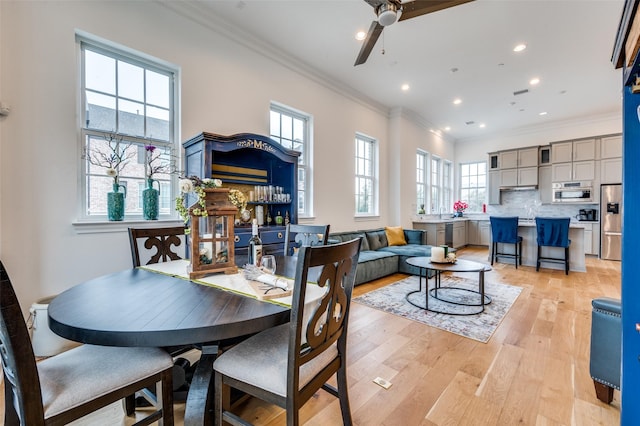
(553, 125)
(198, 12)
(420, 121)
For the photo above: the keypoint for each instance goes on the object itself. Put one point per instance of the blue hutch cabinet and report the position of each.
(250, 162)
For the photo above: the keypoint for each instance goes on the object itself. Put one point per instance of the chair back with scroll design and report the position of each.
(298, 358)
(163, 244)
(70, 385)
(305, 235)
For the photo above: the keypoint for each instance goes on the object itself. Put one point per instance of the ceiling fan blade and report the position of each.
(369, 42)
(422, 7)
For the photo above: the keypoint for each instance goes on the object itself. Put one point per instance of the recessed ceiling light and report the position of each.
(543, 113)
(446, 129)
(361, 35)
(534, 81)
(482, 125)
(457, 101)
(405, 87)
(520, 47)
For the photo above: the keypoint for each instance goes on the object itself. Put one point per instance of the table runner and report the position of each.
(230, 282)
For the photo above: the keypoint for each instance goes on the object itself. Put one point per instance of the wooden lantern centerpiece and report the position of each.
(212, 240)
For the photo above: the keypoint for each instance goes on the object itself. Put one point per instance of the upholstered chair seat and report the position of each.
(504, 230)
(606, 346)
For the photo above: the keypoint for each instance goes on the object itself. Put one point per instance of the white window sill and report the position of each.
(101, 226)
(366, 218)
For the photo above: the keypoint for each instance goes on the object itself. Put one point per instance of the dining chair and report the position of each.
(70, 385)
(161, 244)
(553, 232)
(304, 235)
(504, 230)
(287, 364)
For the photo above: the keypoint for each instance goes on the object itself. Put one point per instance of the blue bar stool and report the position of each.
(505, 230)
(553, 232)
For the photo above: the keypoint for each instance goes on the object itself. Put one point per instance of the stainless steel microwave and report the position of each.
(573, 192)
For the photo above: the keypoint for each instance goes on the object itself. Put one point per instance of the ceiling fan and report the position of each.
(390, 11)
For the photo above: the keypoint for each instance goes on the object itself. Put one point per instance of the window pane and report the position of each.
(131, 118)
(286, 127)
(158, 89)
(101, 112)
(100, 72)
(275, 123)
(158, 124)
(130, 81)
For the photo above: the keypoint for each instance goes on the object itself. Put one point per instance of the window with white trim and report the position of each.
(366, 190)
(128, 104)
(422, 159)
(292, 130)
(473, 184)
(447, 186)
(436, 184)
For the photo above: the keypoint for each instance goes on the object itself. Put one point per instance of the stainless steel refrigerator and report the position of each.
(611, 208)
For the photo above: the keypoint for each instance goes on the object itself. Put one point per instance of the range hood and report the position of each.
(519, 188)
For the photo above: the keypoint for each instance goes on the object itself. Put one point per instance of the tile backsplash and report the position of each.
(514, 203)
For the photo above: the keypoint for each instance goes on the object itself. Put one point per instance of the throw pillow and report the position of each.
(395, 235)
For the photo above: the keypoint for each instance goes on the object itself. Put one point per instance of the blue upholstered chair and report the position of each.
(504, 230)
(553, 232)
(606, 346)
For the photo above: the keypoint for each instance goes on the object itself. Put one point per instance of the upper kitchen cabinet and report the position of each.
(578, 170)
(494, 161)
(580, 150)
(494, 187)
(526, 157)
(573, 160)
(611, 162)
(611, 147)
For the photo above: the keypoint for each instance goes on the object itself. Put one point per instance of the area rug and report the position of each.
(480, 327)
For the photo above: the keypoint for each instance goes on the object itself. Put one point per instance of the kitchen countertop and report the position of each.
(521, 222)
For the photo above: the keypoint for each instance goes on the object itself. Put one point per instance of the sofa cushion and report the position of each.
(410, 250)
(395, 235)
(377, 239)
(375, 264)
(415, 236)
(348, 236)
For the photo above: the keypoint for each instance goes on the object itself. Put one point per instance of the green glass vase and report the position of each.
(115, 203)
(151, 200)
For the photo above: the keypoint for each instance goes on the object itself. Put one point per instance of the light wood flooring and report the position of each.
(533, 371)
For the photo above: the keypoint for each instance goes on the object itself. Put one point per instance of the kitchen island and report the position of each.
(526, 229)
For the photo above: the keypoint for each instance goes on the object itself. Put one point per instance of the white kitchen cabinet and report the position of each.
(561, 152)
(528, 157)
(581, 150)
(472, 232)
(588, 238)
(579, 170)
(435, 232)
(484, 232)
(508, 177)
(528, 175)
(494, 187)
(611, 170)
(544, 185)
(494, 161)
(611, 147)
(509, 159)
(459, 233)
(584, 150)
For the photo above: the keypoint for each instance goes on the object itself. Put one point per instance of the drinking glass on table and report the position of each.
(268, 264)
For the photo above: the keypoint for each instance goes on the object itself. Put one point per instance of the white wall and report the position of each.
(226, 88)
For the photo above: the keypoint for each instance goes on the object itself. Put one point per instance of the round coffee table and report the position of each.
(438, 292)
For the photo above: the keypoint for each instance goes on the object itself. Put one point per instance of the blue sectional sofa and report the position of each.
(378, 259)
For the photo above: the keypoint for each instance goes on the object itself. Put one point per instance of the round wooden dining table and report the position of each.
(137, 307)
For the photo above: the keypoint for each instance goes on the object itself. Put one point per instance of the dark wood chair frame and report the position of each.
(306, 235)
(163, 239)
(339, 263)
(22, 392)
